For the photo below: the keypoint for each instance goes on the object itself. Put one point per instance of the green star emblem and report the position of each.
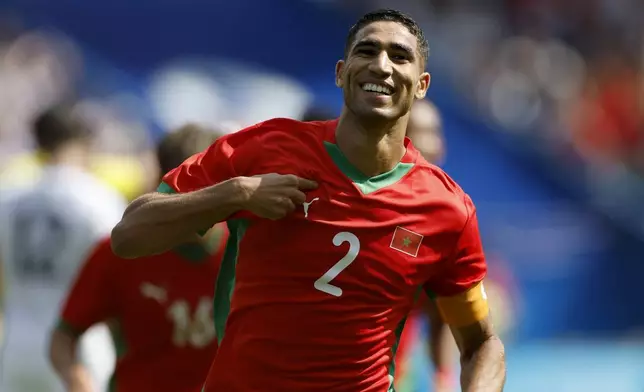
(406, 241)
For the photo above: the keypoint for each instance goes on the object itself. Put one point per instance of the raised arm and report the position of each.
(482, 357)
(207, 188)
(2, 301)
(63, 348)
(157, 222)
(440, 348)
(462, 302)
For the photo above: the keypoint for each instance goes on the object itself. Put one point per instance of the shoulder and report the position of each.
(102, 251)
(257, 139)
(282, 129)
(443, 190)
(272, 144)
(101, 258)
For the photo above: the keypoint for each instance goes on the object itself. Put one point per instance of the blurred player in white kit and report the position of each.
(47, 230)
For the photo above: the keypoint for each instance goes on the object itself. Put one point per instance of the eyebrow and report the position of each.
(377, 44)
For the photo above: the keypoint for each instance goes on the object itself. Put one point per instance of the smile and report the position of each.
(377, 88)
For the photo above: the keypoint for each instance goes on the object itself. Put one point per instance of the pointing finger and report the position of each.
(306, 185)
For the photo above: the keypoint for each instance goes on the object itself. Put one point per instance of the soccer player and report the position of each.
(425, 131)
(47, 230)
(159, 308)
(335, 228)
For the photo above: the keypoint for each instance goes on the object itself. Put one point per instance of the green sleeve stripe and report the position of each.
(225, 285)
(192, 252)
(165, 188)
(68, 328)
(431, 294)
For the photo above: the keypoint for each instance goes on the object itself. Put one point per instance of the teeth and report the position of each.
(376, 88)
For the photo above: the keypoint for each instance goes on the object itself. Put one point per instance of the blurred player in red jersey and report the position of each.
(159, 308)
(335, 227)
(425, 131)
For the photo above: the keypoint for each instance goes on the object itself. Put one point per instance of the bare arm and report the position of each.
(2, 299)
(156, 222)
(440, 347)
(64, 359)
(482, 357)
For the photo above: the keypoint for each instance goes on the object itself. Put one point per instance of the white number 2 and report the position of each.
(323, 284)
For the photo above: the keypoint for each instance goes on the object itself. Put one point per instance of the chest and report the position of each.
(346, 243)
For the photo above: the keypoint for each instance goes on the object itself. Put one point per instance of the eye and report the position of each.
(366, 51)
(400, 58)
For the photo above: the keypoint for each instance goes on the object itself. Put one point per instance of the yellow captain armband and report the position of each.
(465, 308)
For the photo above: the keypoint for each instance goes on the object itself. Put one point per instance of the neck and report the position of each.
(373, 147)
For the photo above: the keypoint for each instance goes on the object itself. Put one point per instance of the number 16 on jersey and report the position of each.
(324, 282)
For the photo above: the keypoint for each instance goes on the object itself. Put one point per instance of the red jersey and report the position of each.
(316, 301)
(159, 309)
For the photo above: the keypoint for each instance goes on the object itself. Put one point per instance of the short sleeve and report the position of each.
(458, 289)
(230, 156)
(92, 297)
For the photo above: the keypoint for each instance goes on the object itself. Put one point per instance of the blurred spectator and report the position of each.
(37, 70)
(426, 133)
(48, 228)
(171, 291)
(607, 122)
(425, 129)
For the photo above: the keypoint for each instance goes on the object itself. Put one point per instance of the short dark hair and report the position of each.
(389, 15)
(182, 143)
(58, 126)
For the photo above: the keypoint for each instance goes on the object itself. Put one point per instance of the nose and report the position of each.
(381, 65)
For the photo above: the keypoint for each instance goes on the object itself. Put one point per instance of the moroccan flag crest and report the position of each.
(406, 241)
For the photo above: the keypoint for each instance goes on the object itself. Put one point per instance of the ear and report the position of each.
(339, 77)
(423, 85)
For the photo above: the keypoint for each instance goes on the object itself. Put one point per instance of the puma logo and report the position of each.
(151, 291)
(307, 205)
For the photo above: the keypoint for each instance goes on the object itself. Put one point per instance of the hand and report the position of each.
(80, 388)
(82, 383)
(442, 387)
(273, 196)
(443, 381)
(78, 379)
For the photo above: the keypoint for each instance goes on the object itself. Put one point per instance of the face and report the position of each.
(383, 73)
(424, 129)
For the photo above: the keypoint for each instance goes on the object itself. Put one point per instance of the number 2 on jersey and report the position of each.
(324, 283)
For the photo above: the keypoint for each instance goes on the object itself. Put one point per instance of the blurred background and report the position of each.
(543, 114)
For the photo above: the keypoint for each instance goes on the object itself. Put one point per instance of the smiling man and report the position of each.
(335, 228)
